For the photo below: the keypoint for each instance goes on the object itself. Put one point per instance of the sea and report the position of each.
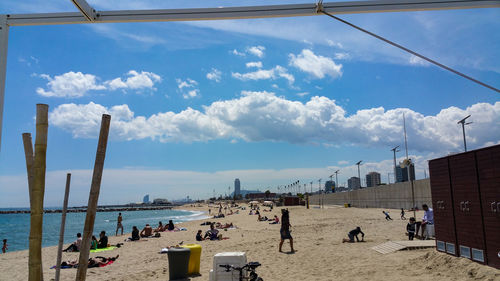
(15, 227)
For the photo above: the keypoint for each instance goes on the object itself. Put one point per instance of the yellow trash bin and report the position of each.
(346, 205)
(194, 259)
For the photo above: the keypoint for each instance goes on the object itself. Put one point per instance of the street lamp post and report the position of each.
(359, 175)
(319, 193)
(395, 149)
(463, 129)
(336, 179)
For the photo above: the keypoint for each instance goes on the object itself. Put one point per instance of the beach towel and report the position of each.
(108, 263)
(103, 249)
(63, 267)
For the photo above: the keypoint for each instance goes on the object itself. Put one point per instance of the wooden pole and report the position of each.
(28, 153)
(95, 187)
(35, 250)
(63, 223)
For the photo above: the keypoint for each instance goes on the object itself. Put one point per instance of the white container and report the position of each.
(218, 273)
(429, 231)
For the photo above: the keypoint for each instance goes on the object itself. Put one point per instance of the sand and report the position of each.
(317, 237)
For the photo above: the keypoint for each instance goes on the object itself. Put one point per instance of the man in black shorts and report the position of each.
(285, 229)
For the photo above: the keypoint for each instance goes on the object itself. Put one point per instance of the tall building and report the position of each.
(237, 187)
(329, 186)
(353, 183)
(145, 200)
(372, 179)
(402, 173)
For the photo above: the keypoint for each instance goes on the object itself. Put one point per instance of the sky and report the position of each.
(195, 105)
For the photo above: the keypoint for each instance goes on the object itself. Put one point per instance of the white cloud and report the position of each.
(257, 51)
(317, 66)
(264, 74)
(257, 64)
(334, 44)
(135, 80)
(263, 116)
(414, 60)
(70, 84)
(214, 75)
(191, 94)
(237, 53)
(28, 61)
(343, 162)
(77, 84)
(302, 94)
(188, 88)
(188, 83)
(342, 56)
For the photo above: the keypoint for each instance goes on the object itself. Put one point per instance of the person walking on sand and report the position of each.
(285, 229)
(403, 214)
(119, 223)
(4, 247)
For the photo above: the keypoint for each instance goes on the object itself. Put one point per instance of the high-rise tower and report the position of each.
(237, 188)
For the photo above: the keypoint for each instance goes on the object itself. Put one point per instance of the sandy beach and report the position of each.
(317, 234)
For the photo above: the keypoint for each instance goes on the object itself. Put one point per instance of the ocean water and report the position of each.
(15, 227)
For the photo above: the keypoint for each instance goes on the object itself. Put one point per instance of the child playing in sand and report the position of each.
(410, 228)
(354, 233)
(387, 217)
(4, 247)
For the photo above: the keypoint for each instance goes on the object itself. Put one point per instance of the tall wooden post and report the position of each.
(37, 194)
(63, 223)
(95, 187)
(28, 153)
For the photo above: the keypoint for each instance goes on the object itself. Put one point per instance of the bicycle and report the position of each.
(251, 266)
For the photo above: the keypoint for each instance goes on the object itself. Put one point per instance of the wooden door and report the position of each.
(442, 202)
(488, 167)
(467, 206)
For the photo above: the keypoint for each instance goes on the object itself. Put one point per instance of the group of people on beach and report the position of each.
(94, 244)
(92, 262)
(414, 227)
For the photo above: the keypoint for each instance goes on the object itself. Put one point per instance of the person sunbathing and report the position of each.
(276, 220)
(223, 226)
(93, 262)
(147, 231)
(170, 226)
(135, 234)
(160, 227)
(101, 261)
(213, 234)
(198, 236)
(103, 240)
(75, 247)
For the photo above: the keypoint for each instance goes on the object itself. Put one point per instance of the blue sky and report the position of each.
(270, 101)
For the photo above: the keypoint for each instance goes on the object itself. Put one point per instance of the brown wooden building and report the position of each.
(466, 198)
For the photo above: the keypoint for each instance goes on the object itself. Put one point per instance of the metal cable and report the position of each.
(319, 8)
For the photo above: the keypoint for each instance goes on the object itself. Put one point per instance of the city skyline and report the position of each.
(268, 101)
